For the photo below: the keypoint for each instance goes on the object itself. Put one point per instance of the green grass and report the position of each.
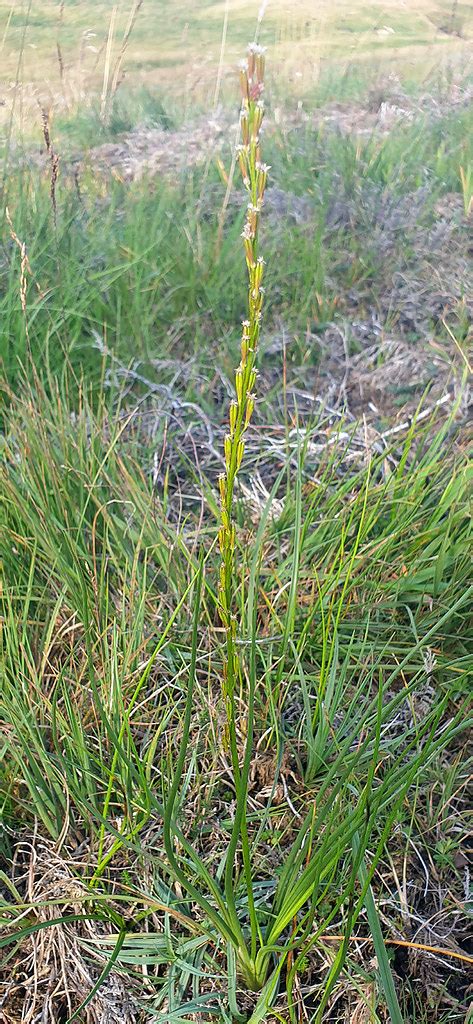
(108, 271)
(208, 882)
(97, 582)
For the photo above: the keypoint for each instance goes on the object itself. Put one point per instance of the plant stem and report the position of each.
(254, 174)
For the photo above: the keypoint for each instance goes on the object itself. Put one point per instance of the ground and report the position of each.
(122, 291)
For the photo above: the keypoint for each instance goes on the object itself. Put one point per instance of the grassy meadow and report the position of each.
(235, 604)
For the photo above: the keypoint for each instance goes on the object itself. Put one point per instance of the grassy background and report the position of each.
(120, 331)
(175, 49)
(104, 271)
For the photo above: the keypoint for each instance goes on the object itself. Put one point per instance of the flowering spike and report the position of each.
(254, 175)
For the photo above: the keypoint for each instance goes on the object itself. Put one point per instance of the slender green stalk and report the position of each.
(254, 178)
(254, 174)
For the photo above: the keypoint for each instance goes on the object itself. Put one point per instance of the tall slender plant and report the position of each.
(321, 868)
(254, 174)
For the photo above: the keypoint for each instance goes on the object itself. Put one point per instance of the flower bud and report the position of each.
(233, 416)
(258, 272)
(262, 178)
(227, 447)
(239, 383)
(244, 127)
(240, 451)
(260, 64)
(253, 212)
(250, 404)
(257, 119)
(248, 243)
(250, 260)
(258, 299)
(244, 86)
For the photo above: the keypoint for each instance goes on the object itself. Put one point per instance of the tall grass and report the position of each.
(99, 670)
